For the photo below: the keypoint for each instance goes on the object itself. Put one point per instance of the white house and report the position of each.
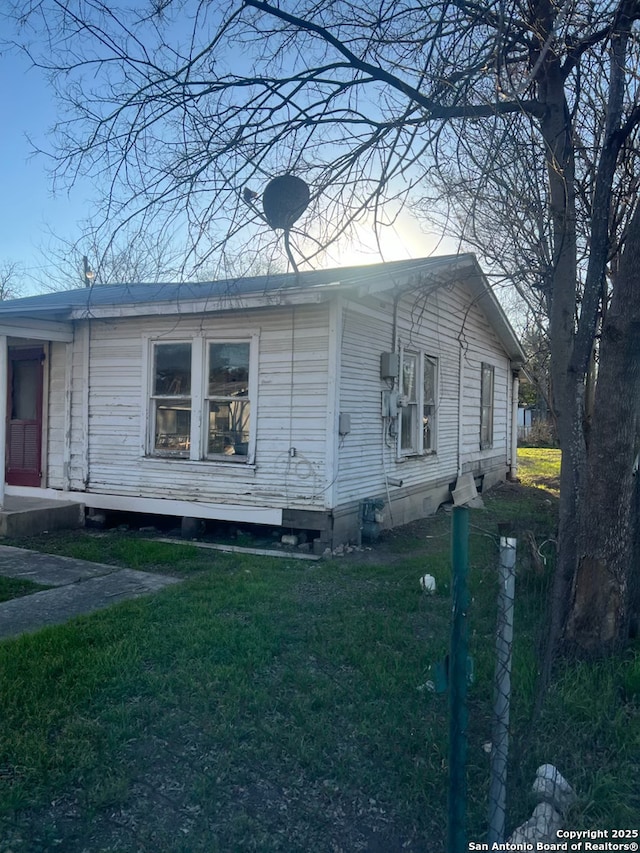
(306, 401)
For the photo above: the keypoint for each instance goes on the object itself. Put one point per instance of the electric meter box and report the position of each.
(344, 423)
(389, 365)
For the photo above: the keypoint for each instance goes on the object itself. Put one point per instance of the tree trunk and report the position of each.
(590, 596)
(568, 409)
(598, 619)
(634, 592)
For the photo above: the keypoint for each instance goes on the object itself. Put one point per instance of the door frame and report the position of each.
(33, 352)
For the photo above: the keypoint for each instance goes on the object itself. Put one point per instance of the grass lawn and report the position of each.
(276, 705)
(15, 588)
(539, 467)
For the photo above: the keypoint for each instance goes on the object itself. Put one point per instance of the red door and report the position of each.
(24, 417)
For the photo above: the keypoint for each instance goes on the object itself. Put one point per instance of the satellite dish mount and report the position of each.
(284, 201)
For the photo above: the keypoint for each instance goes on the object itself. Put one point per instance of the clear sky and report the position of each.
(30, 212)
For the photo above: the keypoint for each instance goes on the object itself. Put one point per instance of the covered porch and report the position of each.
(25, 344)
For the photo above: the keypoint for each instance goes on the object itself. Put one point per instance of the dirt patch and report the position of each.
(186, 799)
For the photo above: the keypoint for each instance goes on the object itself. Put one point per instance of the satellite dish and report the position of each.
(284, 200)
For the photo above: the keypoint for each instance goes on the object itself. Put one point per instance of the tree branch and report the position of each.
(435, 110)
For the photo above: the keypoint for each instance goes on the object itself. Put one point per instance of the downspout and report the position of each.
(513, 470)
(332, 483)
(460, 407)
(395, 383)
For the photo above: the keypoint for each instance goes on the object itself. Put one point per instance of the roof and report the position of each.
(314, 285)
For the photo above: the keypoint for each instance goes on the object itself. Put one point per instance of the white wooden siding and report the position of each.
(79, 419)
(56, 426)
(439, 324)
(290, 411)
(294, 467)
(361, 454)
(482, 345)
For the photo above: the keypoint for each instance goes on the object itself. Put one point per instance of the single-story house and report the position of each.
(314, 401)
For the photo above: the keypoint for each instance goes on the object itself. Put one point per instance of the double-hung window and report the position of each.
(202, 399)
(487, 382)
(419, 392)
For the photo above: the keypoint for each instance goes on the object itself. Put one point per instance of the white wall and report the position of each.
(57, 416)
(108, 404)
(481, 345)
(442, 323)
(287, 382)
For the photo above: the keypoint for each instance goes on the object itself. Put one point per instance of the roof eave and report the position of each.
(208, 305)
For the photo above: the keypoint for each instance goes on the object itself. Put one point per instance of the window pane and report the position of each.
(172, 369)
(173, 427)
(409, 365)
(229, 370)
(429, 377)
(486, 428)
(487, 385)
(486, 406)
(428, 423)
(229, 427)
(429, 381)
(26, 384)
(408, 428)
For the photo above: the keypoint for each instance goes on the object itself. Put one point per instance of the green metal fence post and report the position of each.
(458, 714)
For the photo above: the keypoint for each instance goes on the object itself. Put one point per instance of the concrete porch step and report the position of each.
(30, 516)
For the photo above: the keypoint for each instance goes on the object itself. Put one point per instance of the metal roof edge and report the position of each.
(276, 289)
(490, 304)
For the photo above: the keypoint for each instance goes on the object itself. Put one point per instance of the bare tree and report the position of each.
(96, 258)
(10, 279)
(181, 105)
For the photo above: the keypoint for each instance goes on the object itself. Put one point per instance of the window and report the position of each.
(201, 400)
(408, 427)
(486, 406)
(171, 399)
(429, 381)
(228, 404)
(419, 380)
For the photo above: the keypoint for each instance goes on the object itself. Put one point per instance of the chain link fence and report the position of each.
(507, 632)
(502, 691)
(524, 568)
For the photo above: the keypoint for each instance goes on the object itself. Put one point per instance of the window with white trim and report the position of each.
(171, 400)
(487, 384)
(419, 391)
(227, 400)
(202, 398)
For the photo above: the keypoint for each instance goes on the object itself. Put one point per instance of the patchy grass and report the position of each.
(126, 550)
(273, 705)
(16, 588)
(540, 467)
(264, 706)
(592, 724)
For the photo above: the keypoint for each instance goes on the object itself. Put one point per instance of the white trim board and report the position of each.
(157, 506)
(239, 549)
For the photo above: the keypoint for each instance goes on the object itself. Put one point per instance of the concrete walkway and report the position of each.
(79, 587)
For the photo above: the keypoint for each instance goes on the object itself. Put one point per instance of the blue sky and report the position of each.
(30, 211)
